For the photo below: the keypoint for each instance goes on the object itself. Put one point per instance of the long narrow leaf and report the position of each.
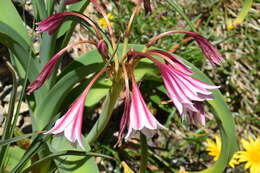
(65, 153)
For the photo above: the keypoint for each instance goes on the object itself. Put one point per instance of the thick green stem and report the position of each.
(144, 153)
(108, 107)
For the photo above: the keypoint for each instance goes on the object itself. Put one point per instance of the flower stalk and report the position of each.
(128, 29)
(144, 153)
(107, 110)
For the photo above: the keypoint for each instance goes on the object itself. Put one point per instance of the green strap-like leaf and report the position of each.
(10, 16)
(11, 39)
(225, 122)
(77, 163)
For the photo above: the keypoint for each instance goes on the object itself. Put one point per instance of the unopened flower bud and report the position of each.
(103, 48)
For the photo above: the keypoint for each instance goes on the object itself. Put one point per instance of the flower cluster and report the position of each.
(186, 92)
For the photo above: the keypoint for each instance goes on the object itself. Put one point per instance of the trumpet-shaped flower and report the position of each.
(186, 92)
(207, 48)
(140, 118)
(52, 23)
(71, 122)
(48, 68)
(44, 74)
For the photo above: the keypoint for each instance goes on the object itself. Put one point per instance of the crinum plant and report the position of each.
(59, 139)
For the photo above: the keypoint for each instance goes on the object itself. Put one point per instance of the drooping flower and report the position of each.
(48, 68)
(214, 149)
(251, 154)
(207, 48)
(51, 23)
(185, 92)
(71, 123)
(125, 117)
(42, 77)
(140, 118)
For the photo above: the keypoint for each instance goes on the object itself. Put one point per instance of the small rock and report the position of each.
(1, 115)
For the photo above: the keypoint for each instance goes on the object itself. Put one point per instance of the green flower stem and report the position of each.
(144, 153)
(107, 108)
(128, 30)
(125, 46)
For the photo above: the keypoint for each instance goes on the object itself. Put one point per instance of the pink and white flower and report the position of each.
(48, 68)
(140, 118)
(186, 92)
(71, 123)
(52, 23)
(206, 47)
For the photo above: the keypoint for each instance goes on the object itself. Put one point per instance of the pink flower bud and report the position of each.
(103, 48)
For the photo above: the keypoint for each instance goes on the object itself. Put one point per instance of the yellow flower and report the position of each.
(214, 149)
(251, 155)
(102, 21)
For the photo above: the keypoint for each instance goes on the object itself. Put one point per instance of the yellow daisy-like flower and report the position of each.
(214, 149)
(251, 155)
(102, 21)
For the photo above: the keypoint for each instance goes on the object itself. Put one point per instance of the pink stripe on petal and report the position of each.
(140, 118)
(193, 83)
(71, 122)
